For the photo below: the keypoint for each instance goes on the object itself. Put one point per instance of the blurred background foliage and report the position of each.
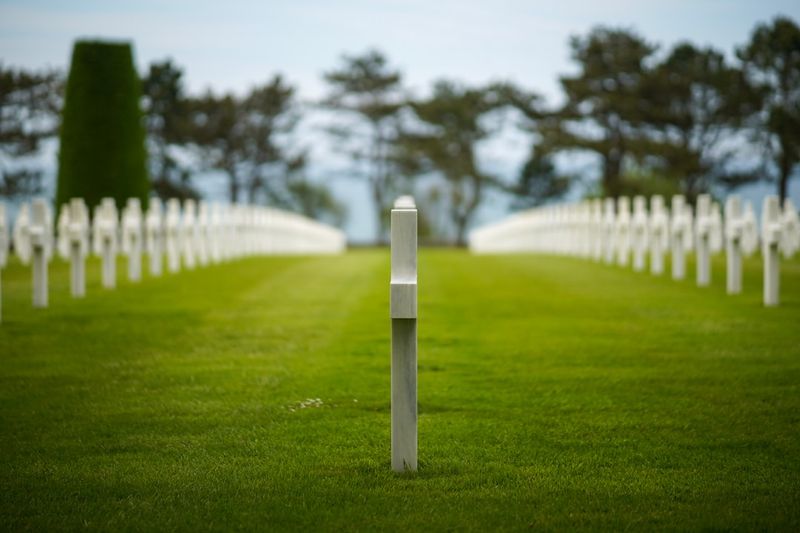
(682, 120)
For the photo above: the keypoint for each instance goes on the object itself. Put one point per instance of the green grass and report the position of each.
(554, 394)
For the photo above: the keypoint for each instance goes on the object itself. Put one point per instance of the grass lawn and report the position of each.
(554, 393)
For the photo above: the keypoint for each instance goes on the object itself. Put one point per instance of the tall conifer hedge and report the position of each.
(102, 151)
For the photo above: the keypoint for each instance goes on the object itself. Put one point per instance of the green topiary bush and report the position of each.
(102, 151)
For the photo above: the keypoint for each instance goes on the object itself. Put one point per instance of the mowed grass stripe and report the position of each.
(554, 393)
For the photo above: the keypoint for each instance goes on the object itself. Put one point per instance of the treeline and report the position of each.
(683, 120)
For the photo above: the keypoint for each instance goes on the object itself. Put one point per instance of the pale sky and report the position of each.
(232, 45)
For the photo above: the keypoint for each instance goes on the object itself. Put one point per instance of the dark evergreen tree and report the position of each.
(102, 151)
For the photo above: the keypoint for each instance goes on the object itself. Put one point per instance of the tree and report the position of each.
(215, 129)
(696, 103)
(771, 60)
(102, 151)
(603, 112)
(29, 106)
(366, 88)
(241, 137)
(249, 139)
(446, 144)
(539, 181)
(167, 123)
(269, 114)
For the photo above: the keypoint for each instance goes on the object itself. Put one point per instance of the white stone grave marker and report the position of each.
(189, 242)
(750, 239)
(403, 309)
(639, 233)
(202, 240)
(596, 224)
(173, 235)
(717, 240)
(623, 231)
(73, 242)
(133, 237)
(34, 241)
(106, 239)
(703, 240)
(681, 235)
(154, 233)
(771, 226)
(790, 236)
(658, 229)
(780, 232)
(609, 226)
(734, 230)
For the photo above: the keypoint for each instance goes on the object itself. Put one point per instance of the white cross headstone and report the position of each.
(770, 239)
(639, 232)
(779, 233)
(717, 239)
(215, 232)
(106, 227)
(609, 226)
(623, 229)
(189, 224)
(734, 230)
(703, 240)
(790, 236)
(403, 309)
(750, 238)
(132, 237)
(154, 233)
(33, 239)
(658, 229)
(202, 232)
(597, 229)
(173, 235)
(73, 242)
(680, 235)
(4, 242)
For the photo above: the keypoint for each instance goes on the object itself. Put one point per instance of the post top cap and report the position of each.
(405, 202)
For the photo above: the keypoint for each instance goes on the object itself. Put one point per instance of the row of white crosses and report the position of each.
(609, 230)
(189, 234)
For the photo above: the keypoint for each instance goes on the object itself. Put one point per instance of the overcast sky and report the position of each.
(232, 45)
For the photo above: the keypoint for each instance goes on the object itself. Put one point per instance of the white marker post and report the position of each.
(596, 229)
(173, 235)
(41, 237)
(703, 233)
(403, 309)
(639, 232)
(734, 226)
(790, 236)
(4, 242)
(189, 241)
(74, 243)
(132, 238)
(623, 231)
(202, 233)
(154, 235)
(659, 234)
(609, 224)
(770, 241)
(105, 239)
(681, 226)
